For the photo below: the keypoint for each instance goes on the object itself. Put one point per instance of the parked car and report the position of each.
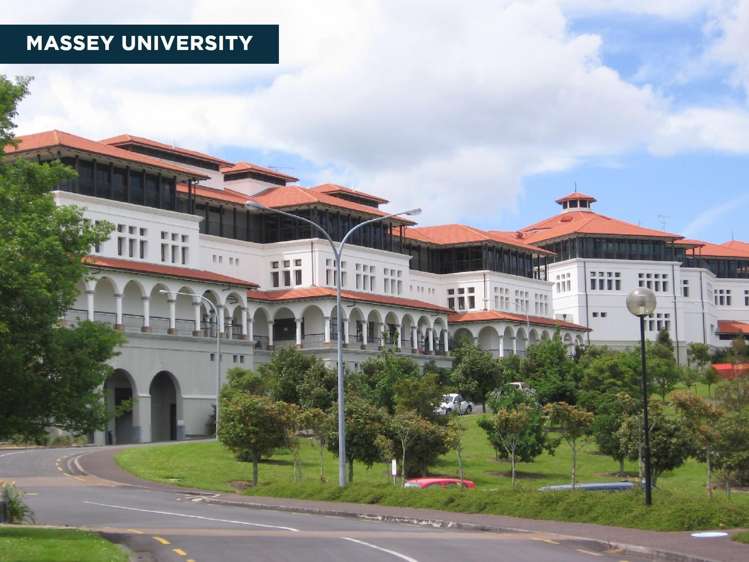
(439, 483)
(591, 487)
(522, 387)
(454, 403)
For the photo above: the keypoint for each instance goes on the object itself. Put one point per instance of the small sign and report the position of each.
(394, 467)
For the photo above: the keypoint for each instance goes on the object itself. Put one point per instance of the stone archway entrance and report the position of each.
(165, 408)
(118, 389)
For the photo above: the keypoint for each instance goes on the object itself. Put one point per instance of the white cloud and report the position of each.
(698, 225)
(425, 104)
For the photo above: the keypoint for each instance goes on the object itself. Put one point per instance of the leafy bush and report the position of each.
(17, 510)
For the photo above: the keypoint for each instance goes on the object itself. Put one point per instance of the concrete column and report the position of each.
(270, 334)
(172, 299)
(430, 340)
(90, 303)
(141, 418)
(196, 314)
(398, 338)
(299, 332)
(364, 334)
(326, 323)
(501, 346)
(345, 331)
(244, 322)
(445, 342)
(146, 327)
(118, 311)
(515, 345)
(380, 334)
(221, 321)
(251, 332)
(414, 339)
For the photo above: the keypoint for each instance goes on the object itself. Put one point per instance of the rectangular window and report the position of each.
(297, 276)
(451, 303)
(471, 302)
(142, 249)
(131, 247)
(120, 246)
(461, 303)
(185, 261)
(274, 278)
(287, 278)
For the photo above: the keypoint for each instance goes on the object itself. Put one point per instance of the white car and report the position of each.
(454, 403)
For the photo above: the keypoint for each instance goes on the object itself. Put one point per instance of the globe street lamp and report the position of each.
(337, 252)
(642, 302)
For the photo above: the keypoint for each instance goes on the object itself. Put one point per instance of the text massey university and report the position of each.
(139, 42)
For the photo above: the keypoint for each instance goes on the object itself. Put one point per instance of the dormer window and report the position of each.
(573, 204)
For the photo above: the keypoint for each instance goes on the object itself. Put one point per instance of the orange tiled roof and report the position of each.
(296, 196)
(166, 270)
(587, 222)
(226, 195)
(335, 188)
(733, 327)
(453, 234)
(248, 167)
(329, 292)
(132, 139)
(51, 139)
(732, 249)
(576, 196)
(494, 315)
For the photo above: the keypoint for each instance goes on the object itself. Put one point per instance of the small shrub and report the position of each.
(18, 511)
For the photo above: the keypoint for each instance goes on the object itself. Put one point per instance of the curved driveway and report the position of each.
(175, 525)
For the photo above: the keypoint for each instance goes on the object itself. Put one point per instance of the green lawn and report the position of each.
(29, 544)
(680, 501)
(741, 537)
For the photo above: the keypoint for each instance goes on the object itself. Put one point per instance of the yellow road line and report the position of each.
(179, 551)
(161, 540)
(589, 552)
(136, 531)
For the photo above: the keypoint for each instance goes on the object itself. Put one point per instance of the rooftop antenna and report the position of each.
(663, 219)
(575, 186)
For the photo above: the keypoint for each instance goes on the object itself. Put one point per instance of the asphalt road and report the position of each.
(169, 526)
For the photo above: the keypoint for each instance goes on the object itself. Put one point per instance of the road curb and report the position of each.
(446, 523)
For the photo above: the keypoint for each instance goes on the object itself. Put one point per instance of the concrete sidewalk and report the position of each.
(679, 546)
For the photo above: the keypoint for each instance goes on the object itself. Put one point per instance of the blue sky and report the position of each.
(482, 115)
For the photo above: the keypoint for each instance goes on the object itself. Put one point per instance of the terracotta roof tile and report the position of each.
(51, 139)
(576, 196)
(132, 139)
(332, 188)
(733, 249)
(494, 315)
(297, 196)
(226, 195)
(166, 270)
(733, 327)
(328, 292)
(240, 167)
(587, 222)
(454, 234)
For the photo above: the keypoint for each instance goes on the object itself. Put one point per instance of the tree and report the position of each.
(609, 415)
(670, 442)
(690, 375)
(709, 378)
(606, 374)
(573, 423)
(733, 394)
(551, 372)
(318, 388)
(510, 429)
(378, 376)
(50, 375)
(699, 417)
(426, 442)
(284, 373)
(475, 373)
(421, 395)
(661, 368)
(364, 423)
(698, 355)
(731, 449)
(252, 426)
(295, 423)
(404, 427)
(321, 424)
(455, 433)
(534, 439)
(244, 380)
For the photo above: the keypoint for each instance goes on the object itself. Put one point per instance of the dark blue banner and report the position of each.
(139, 44)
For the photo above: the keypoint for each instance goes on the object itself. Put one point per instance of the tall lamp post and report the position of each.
(642, 302)
(218, 342)
(337, 252)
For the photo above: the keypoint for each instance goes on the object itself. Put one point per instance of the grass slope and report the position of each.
(27, 544)
(680, 501)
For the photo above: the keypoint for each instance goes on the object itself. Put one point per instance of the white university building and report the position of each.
(183, 233)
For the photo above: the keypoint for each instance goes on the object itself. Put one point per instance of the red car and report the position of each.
(439, 483)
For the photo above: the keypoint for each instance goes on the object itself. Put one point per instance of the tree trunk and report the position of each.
(403, 463)
(350, 471)
(512, 461)
(709, 474)
(254, 473)
(621, 466)
(322, 463)
(574, 464)
(460, 467)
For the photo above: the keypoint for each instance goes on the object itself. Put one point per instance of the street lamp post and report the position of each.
(641, 302)
(337, 252)
(218, 343)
